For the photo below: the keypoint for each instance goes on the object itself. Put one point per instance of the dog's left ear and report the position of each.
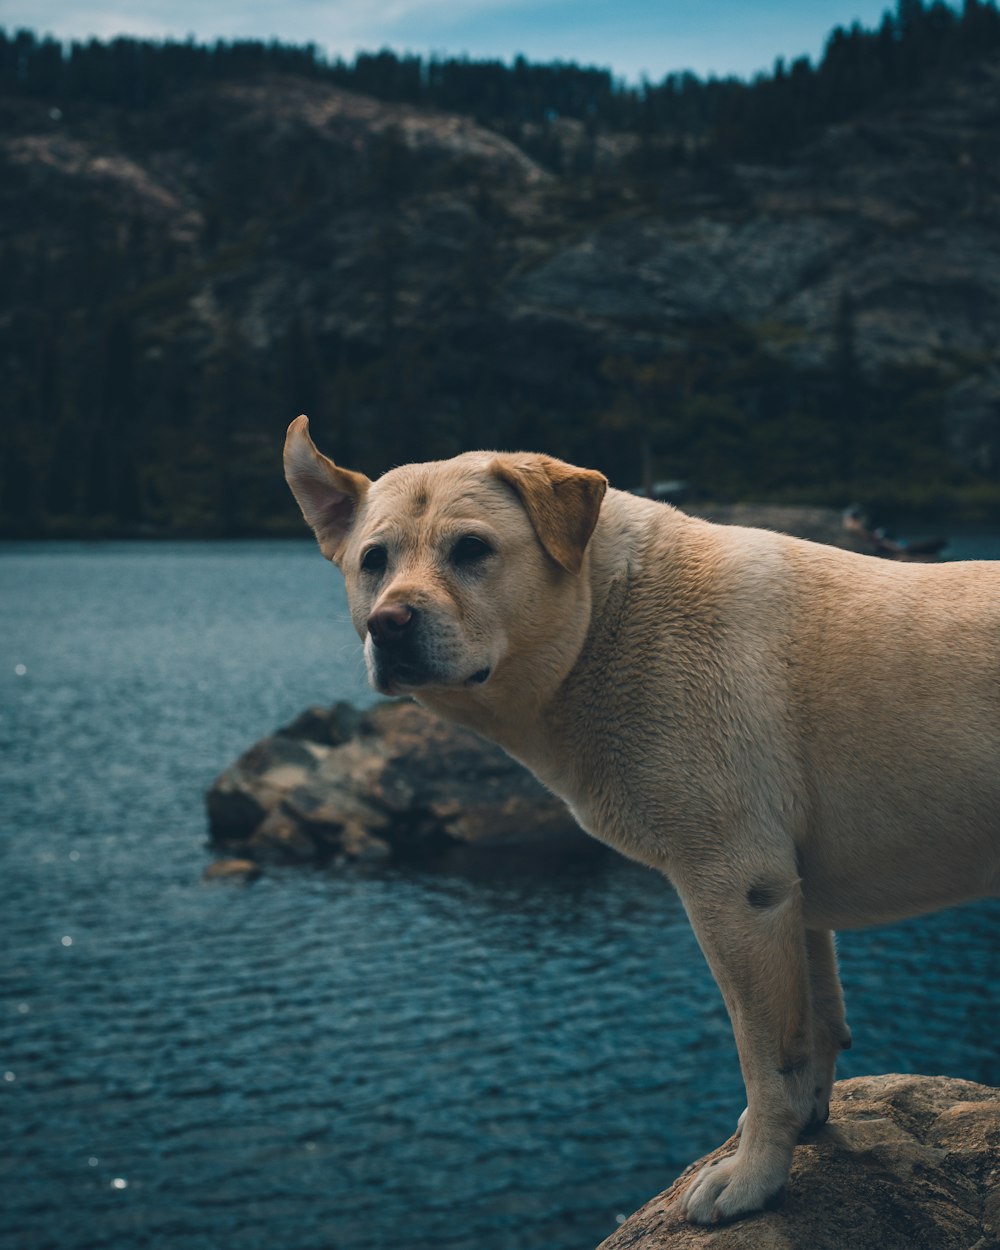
(562, 502)
(328, 495)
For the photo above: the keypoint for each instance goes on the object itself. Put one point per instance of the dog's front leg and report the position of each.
(753, 937)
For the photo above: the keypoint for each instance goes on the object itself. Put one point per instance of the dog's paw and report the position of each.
(731, 1188)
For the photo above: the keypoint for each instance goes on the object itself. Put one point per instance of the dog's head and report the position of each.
(453, 566)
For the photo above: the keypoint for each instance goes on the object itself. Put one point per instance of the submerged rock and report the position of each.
(340, 785)
(905, 1163)
(239, 870)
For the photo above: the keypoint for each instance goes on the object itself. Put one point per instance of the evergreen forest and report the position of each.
(782, 289)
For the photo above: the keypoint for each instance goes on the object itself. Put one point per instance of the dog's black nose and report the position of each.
(389, 625)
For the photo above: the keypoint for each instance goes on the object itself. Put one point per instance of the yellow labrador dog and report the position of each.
(800, 738)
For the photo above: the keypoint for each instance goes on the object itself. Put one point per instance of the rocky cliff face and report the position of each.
(905, 1163)
(898, 208)
(182, 278)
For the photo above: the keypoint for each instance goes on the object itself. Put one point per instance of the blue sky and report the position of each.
(632, 37)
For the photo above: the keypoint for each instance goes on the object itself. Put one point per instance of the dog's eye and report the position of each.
(374, 560)
(470, 550)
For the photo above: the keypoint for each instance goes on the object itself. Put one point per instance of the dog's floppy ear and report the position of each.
(561, 501)
(328, 495)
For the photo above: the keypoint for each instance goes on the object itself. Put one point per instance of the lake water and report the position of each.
(512, 1056)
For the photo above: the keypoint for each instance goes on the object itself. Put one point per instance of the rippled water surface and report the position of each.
(509, 1055)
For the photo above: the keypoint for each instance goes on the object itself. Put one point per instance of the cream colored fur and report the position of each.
(801, 739)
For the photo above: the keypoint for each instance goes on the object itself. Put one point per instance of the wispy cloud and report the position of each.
(340, 22)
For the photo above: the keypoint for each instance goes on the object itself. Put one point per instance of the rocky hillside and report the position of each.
(182, 279)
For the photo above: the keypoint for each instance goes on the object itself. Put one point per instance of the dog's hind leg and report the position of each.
(830, 1032)
(754, 939)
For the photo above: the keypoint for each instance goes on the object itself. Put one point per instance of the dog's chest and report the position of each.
(627, 793)
(621, 824)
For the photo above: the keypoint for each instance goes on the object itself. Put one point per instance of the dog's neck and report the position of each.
(524, 708)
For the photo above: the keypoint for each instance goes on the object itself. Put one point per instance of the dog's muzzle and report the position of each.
(402, 654)
(394, 631)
